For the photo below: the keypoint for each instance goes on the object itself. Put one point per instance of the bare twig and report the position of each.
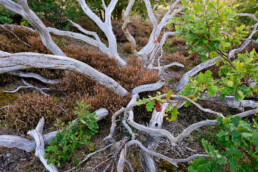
(3, 26)
(114, 157)
(158, 155)
(28, 86)
(89, 156)
(35, 76)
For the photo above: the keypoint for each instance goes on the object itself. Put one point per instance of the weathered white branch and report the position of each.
(153, 140)
(129, 106)
(35, 76)
(129, 129)
(151, 14)
(102, 47)
(106, 27)
(148, 87)
(40, 151)
(121, 160)
(185, 79)
(233, 52)
(129, 37)
(199, 106)
(89, 156)
(3, 26)
(247, 15)
(94, 34)
(169, 65)
(12, 62)
(113, 125)
(231, 102)
(184, 134)
(158, 155)
(11, 141)
(29, 86)
(23, 9)
(7, 106)
(147, 49)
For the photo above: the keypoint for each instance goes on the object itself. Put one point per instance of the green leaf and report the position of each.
(169, 95)
(150, 106)
(212, 90)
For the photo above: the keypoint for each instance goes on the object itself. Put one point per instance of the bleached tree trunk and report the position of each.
(157, 27)
(18, 61)
(152, 141)
(105, 26)
(23, 9)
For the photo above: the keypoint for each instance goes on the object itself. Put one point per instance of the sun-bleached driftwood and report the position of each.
(89, 156)
(27, 85)
(157, 27)
(40, 150)
(12, 62)
(8, 30)
(11, 141)
(231, 102)
(156, 121)
(158, 155)
(148, 87)
(105, 26)
(35, 76)
(23, 9)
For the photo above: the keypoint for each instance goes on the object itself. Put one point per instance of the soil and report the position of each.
(18, 160)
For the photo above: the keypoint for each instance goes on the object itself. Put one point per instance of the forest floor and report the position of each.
(18, 160)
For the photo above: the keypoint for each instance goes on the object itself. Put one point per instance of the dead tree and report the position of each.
(150, 53)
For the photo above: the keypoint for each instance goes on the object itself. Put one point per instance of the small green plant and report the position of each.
(5, 15)
(203, 27)
(235, 148)
(156, 102)
(25, 22)
(60, 42)
(236, 79)
(77, 133)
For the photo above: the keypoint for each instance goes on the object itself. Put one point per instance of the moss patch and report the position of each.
(6, 98)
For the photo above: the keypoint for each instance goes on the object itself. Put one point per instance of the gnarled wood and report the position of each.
(12, 62)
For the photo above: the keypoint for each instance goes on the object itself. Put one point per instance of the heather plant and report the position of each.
(70, 137)
(29, 108)
(209, 31)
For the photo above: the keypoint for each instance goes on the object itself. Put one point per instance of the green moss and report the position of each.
(6, 98)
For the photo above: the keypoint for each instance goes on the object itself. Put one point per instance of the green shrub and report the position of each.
(79, 132)
(5, 15)
(235, 148)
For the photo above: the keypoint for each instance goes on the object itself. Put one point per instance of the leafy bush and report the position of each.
(234, 148)
(204, 25)
(5, 15)
(236, 80)
(56, 12)
(70, 137)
